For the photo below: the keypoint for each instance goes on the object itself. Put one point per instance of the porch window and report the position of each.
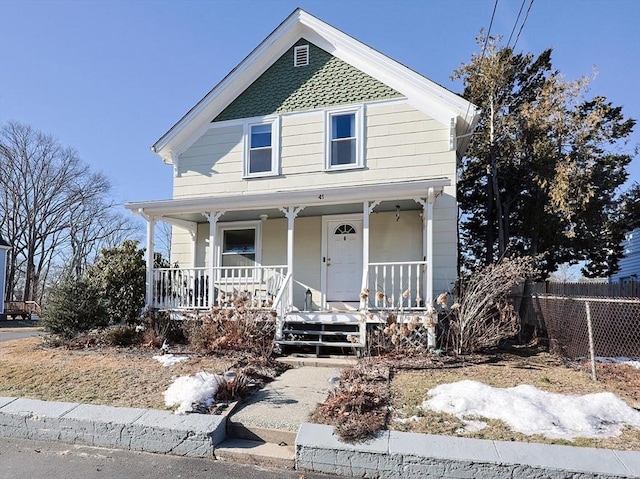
(239, 248)
(261, 148)
(344, 139)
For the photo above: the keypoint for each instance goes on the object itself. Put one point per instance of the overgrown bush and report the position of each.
(233, 329)
(74, 306)
(483, 314)
(120, 275)
(121, 336)
(157, 326)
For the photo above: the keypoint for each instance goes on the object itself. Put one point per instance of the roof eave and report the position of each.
(422, 93)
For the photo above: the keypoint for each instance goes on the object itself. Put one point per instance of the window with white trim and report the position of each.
(239, 249)
(261, 147)
(344, 132)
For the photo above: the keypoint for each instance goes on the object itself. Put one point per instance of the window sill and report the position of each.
(343, 168)
(267, 174)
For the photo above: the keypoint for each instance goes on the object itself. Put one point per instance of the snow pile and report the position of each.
(531, 411)
(188, 390)
(170, 359)
(621, 360)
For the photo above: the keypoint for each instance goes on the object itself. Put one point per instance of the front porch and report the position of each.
(335, 260)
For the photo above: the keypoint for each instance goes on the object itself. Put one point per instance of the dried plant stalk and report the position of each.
(484, 315)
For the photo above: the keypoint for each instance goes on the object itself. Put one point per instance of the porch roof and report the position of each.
(315, 200)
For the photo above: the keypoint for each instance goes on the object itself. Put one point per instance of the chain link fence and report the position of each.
(580, 327)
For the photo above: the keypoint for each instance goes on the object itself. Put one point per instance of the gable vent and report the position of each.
(301, 56)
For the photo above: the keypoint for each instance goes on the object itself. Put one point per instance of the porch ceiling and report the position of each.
(316, 202)
(252, 215)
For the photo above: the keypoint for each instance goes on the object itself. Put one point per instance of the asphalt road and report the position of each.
(18, 333)
(25, 459)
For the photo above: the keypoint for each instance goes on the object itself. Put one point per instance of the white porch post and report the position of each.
(427, 252)
(213, 226)
(151, 223)
(428, 248)
(290, 212)
(194, 246)
(367, 210)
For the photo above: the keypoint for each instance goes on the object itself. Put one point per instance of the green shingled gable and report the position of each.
(326, 81)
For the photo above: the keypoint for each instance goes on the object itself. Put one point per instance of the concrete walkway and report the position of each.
(276, 418)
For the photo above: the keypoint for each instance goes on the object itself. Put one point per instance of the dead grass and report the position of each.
(112, 376)
(128, 377)
(546, 372)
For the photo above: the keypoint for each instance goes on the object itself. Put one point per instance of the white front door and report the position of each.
(344, 260)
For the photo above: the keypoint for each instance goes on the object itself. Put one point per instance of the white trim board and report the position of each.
(278, 199)
(427, 96)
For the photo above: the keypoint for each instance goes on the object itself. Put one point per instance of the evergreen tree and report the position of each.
(543, 173)
(120, 275)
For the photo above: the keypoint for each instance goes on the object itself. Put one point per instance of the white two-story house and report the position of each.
(319, 175)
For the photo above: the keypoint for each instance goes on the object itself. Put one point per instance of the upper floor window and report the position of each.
(261, 148)
(344, 139)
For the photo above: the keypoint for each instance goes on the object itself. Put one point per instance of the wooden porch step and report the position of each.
(318, 332)
(323, 318)
(336, 344)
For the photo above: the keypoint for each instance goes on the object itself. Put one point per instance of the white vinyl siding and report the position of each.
(399, 143)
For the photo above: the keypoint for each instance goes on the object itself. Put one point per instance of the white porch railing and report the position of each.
(188, 288)
(282, 305)
(395, 286)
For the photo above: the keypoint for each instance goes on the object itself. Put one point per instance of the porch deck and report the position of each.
(391, 287)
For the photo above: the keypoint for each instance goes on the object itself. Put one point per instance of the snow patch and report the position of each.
(188, 390)
(531, 411)
(169, 359)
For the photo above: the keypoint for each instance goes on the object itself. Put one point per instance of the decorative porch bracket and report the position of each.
(213, 218)
(291, 212)
(368, 208)
(192, 228)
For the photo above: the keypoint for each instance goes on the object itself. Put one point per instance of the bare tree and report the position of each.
(55, 208)
(163, 239)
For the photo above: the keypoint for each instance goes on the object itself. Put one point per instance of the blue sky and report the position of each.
(110, 77)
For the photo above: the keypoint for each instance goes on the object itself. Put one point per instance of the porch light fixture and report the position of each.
(308, 300)
(397, 212)
(263, 217)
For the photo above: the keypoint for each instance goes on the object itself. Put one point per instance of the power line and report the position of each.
(516, 22)
(486, 39)
(484, 47)
(523, 23)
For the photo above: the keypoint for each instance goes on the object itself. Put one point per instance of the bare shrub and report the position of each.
(484, 315)
(233, 329)
(396, 332)
(158, 327)
(359, 405)
(120, 336)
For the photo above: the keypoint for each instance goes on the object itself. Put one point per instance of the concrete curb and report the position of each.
(133, 429)
(394, 454)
